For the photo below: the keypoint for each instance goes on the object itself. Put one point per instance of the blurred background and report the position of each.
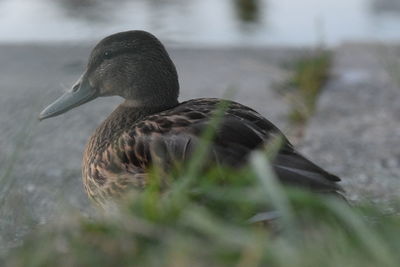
(327, 69)
(203, 22)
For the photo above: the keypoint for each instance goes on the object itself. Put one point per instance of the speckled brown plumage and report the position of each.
(122, 149)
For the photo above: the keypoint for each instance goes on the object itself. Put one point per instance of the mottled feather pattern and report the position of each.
(118, 159)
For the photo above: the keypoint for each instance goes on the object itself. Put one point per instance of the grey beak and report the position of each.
(79, 94)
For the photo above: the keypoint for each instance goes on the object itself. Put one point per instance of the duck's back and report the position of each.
(122, 149)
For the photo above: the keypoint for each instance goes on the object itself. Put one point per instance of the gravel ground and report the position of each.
(355, 132)
(43, 160)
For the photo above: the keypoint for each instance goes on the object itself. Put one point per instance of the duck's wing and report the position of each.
(174, 136)
(294, 169)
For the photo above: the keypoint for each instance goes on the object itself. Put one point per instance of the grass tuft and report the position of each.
(211, 217)
(303, 87)
(206, 223)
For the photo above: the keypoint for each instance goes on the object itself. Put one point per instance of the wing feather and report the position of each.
(172, 136)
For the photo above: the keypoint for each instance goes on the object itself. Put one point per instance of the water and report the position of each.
(204, 22)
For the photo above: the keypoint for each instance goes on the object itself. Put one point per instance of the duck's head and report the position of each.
(133, 65)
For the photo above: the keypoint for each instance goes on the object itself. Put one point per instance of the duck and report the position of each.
(152, 127)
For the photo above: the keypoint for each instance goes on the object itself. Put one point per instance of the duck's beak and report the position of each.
(79, 94)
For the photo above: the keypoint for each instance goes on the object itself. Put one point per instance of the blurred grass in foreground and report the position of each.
(202, 220)
(302, 89)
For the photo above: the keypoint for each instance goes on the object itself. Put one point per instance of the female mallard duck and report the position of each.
(152, 126)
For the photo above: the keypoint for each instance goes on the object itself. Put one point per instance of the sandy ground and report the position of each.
(40, 162)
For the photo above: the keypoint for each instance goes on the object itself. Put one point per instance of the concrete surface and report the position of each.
(355, 132)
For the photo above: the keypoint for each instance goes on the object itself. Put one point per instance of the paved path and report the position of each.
(355, 132)
(46, 175)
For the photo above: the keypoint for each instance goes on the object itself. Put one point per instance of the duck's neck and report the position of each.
(122, 118)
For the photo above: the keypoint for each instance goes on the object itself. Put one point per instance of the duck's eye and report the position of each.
(107, 54)
(75, 88)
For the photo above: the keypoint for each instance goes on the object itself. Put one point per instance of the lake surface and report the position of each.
(204, 22)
